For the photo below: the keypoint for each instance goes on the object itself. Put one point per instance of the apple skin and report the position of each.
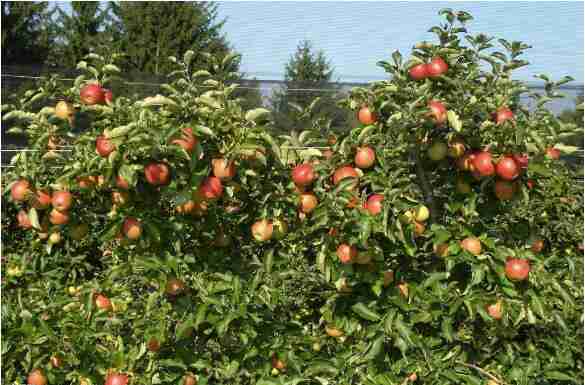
(483, 164)
(374, 204)
(553, 153)
(174, 286)
(132, 228)
(211, 188)
(495, 310)
(189, 379)
(537, 246)
(262, 230)
(517, 269)
(62, 200)
(504, 190)
(108, 96)
(419, 72)
(36, 377)
(64, 110)
(23, 220)
(365, 157)
(303, 174)
(521, 160)
(122, 183)
(438, 151)
(507, 168)
(104, 146)
(366, 116)
(92, 94)
(57, 217)
(437, 67)
(345, 172)
(20, 190)
(456, 148)
(42, 200)
(504, 114)
(346, 253)
(438, 112)
(102, 302)
(421, 213)
(116, 379)
(308, 202)
(223, 169)
(157, 174)
(472, 245)
(441, 250)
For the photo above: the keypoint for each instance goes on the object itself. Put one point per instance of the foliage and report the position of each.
(286, 311)
(27, 33)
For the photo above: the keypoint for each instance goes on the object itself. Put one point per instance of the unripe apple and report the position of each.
(456, 148)
(421, 213)
(438, 151)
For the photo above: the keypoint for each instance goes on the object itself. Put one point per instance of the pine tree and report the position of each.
(82, 32)
(27, 32)
(150, 32)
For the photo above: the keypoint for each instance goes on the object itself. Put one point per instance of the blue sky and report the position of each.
(355, 35)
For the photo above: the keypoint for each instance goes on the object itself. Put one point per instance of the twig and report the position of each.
(424, 184)
(483, 371)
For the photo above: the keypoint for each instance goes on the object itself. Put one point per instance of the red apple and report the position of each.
(23, 220)
(530, 184)
(116, 379)
(20, 190)
(262, 230)
(108, 96)
(374, 204)
(211, 188)
(504, 190)
(517, 269)
(437, 67)
(153, 345)
(62, 200)
(507, 168)
(346, 253)
(189, 379)
(343, 173)
(303, 174)
(419, 72)
(473, 245)
(553, 153)
(57, 217)
(495, 310)
(42, 200)
(132, 228)
(122, 183)
(104, 146)
(102, 302)
(366, 116)
(187, 140)
(36, 377)
(521, 159)
(157, 174)
(503, 114)
(92, 94)
(174, 286)
(223, 169)
(308, 202)
(365, 157)
(482, 163)
(438, 111)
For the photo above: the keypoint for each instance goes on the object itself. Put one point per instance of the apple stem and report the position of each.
(483, 371)
(424, 184)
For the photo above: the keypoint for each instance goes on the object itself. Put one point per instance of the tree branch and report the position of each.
(424, 184)
(483, 371)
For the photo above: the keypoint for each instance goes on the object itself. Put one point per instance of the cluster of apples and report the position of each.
(41, 199)
(434, 69)
(93, 93)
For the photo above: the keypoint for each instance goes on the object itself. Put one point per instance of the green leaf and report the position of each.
(454, 120)
(268, 260)
(364, 312)
(555, 375)
(33, 216)
(257, 113)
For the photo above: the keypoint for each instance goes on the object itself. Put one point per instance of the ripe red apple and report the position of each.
(36, 377)
(104, 146)
(504, 190)
(521, 160)
(57, 217)
(108, 96)
(102, 302)
(553, 153)
(419, 229)
(503, 114)
(366, 116)
(92, 94)
(42, 200)
(262, 230)
(132, 228)
(537, 246)
(517, 269)
(482, 163)
(346, 253)
(473, 245)
(223, 169)
(116, 379)
(374, 204)
(62, 200)
(308, 202)
(438, 111)
(85, 182)
(20, 190)
(303, 174)
(507, 168)
(419, 72)
(437, 67)
(211, 188)
(157, 174)
(345, 172)
(365, 157)
(23, 220)
(174, 286)
(495, 310)
(122, 183)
